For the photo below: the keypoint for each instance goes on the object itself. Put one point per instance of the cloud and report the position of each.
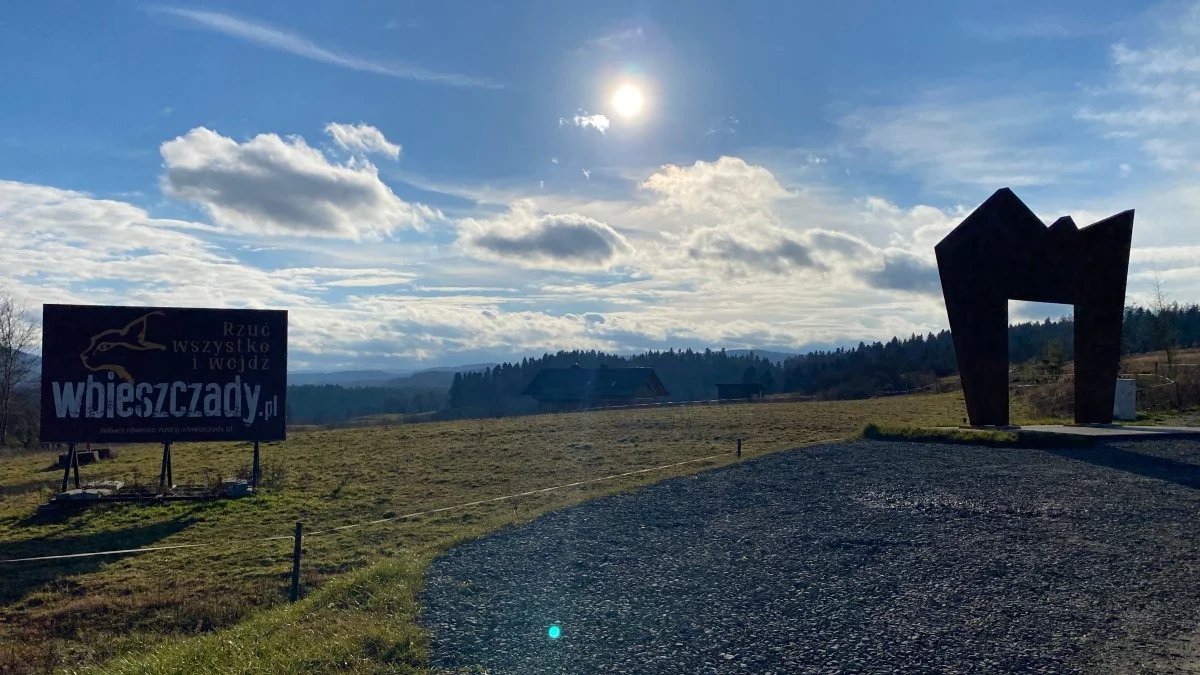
(66, 246)
(363, 138)
(742, 254)
(270, 37)
(616, 40)
(551, 241)
(728, 185)
(1154, 95)
(736, 219)
(584, 120)
(724, 125)
(272, 185)
(955, 139)
(903, 271)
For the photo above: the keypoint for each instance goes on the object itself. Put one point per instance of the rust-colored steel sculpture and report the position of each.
(1003, 252)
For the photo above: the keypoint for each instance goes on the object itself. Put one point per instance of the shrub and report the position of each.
(1053, 399)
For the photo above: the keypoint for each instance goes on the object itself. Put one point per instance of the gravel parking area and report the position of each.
(856, 557)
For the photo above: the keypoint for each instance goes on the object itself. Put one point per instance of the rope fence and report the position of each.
(299, 535)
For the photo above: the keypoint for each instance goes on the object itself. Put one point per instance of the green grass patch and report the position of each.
(363, 622)
(996, 438)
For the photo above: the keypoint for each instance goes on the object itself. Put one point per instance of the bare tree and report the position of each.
(18, 336)
(1163, 334)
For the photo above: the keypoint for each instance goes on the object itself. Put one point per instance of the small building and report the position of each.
(575, 388)
(740, 390)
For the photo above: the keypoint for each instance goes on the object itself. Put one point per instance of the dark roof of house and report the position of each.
(579, 384)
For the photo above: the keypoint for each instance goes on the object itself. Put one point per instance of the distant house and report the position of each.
(575, 388)
(739, 390)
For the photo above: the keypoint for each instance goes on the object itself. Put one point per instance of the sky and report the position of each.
(434, 183)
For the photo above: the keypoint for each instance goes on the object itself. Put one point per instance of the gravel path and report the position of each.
(857, 557)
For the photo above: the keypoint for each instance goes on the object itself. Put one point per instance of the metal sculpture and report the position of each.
(1003, 252)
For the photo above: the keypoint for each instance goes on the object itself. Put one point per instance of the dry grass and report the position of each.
(1161, 389)
(135, 613)
(1144, 363)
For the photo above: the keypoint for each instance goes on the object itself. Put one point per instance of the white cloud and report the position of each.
(363, 138)
(273, 185)
(952, 139)
(735, 219)
(64, 246)
(583, 120)
(270, 37)
(527, 238)
(724, 125)
(728, 184)
(616, 39)
(1154, 95)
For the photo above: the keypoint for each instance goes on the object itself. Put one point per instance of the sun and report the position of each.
(628, 100)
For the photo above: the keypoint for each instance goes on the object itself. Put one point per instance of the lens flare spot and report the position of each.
(554, 632)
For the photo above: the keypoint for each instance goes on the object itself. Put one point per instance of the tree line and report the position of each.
(333, 403)
(865, 370)
(688, 375)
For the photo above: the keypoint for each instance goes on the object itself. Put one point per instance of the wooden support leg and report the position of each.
(67, 469)
(162, 473)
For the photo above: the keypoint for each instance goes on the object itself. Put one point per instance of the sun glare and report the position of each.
(628, 100)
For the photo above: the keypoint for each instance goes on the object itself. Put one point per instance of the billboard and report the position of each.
(157, 374)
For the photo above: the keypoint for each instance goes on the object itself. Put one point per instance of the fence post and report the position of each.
(739, 452)
(296, 562)
(255, 472)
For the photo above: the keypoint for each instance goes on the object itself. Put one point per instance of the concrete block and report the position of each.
(1125, 400)
(237, 487)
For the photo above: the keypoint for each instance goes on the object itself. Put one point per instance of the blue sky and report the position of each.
(431, 183)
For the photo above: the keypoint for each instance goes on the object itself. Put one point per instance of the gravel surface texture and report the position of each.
(854, 557)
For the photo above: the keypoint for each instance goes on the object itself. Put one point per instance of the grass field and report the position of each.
(222, 609)
(1144, 363)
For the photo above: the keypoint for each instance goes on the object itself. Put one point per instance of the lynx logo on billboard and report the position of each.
(129, 374)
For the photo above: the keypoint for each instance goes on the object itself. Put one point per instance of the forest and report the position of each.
(865, 370)
(332, 403)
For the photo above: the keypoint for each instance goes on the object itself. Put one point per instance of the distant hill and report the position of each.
(774, 357)
(469, 368)
(436, 378)
(345, 378)
(430, 378)
(426, 379)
